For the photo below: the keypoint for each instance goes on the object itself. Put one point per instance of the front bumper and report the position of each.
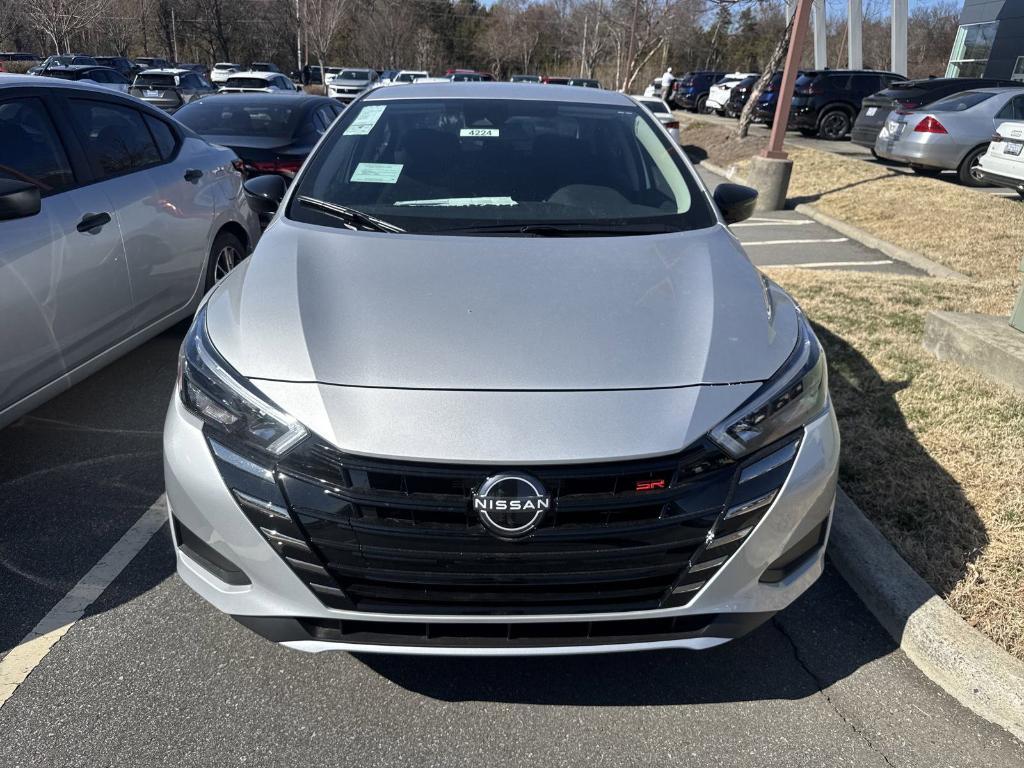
(270, 598)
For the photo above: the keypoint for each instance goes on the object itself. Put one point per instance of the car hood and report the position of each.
(366, 309)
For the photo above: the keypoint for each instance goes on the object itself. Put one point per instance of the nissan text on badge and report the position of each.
(499, 380)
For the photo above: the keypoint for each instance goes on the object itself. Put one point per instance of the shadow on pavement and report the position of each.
(76, 474)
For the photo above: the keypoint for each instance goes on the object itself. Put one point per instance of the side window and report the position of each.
(166, 141)
(114, 137)
(1018, 107)
(324, 118)
(30, 149)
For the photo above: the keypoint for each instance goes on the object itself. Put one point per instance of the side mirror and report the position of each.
(735, 201)
(265, 194)
(18, 199)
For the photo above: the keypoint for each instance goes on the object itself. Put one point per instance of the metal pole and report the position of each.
(820, 36)
(900, 11)
(793, 56)
(855, 33)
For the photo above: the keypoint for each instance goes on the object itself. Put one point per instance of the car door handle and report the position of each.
(193, 174)
(93, 221)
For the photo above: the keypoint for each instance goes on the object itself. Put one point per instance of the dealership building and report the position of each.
(990, 41)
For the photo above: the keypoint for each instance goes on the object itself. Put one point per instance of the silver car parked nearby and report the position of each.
(499, 380)
(950, 134)
(114, 221)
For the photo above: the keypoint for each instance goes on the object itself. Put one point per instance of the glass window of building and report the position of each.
(971, 49)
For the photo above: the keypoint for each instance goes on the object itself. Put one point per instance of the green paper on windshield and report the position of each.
(377, 173)
(364, 122)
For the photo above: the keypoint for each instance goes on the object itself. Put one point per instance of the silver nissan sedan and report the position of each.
(497, 380)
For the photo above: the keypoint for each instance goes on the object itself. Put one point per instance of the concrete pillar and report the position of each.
(855, 37)
(821, 35)
(900, 12)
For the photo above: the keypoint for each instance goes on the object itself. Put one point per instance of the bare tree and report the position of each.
(58, 20)
(774, 62)
(323, 20)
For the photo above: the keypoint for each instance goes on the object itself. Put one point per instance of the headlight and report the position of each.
(794, 396)
(221, 397)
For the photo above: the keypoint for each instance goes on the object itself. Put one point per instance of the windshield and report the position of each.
(657, 106)
(960, 101)
(227, 116)
(247, 82)
(456, 164)
(156, 81)
(355, 74)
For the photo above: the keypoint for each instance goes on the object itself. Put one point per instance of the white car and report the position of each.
(409, 76)
(720, 92)
(350, 82)
(662, 112)
(222, 70)
(258, 82)
(1003, 164)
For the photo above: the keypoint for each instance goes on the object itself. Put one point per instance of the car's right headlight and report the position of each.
(796, 395)
(235, 410)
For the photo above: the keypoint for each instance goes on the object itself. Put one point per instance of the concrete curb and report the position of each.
(963, 662)
(915, 260)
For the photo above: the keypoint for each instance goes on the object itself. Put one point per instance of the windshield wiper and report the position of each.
(352, 218)
(566, 229)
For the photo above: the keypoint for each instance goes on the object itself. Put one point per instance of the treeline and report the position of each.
(621, 42)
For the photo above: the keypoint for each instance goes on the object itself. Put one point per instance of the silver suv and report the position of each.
(349, 83)
(499, 380)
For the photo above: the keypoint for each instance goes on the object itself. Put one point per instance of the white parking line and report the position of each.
(794, 242)
(819, 264)
(24, 657)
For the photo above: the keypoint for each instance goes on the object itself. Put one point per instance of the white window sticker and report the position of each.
(459, 202)
(377, 173)
(365, 120)
(479, 133)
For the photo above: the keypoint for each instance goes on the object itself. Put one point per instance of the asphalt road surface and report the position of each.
(151, 675)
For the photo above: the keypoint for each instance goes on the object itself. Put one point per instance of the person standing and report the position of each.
(666, 84)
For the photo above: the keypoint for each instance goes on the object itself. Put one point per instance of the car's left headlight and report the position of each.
(796, 395)
(212, 390)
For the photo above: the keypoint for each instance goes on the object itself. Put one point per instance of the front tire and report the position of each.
(967, 172)
(225, 254)
(834, 125)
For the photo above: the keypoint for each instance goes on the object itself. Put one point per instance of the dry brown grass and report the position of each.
(931, 452)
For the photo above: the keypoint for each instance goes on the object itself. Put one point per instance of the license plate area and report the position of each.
(1012, 148)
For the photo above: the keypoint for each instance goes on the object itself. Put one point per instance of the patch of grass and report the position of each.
(931, 452)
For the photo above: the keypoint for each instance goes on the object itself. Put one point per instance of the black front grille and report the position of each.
(402, 537)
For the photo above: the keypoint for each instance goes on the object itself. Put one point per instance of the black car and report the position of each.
(691, 90)
(911, 95)
(106, 76)
(826, 101)
(153, 62)
(739, 95)
(270, 132)
(122, 64)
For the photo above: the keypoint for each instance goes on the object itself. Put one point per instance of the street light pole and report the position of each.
(298, 35)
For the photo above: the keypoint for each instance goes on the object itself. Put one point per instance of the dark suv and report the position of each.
(124, 65)
(739, 95)
(691, 90)
(825, 102)
(912, 94)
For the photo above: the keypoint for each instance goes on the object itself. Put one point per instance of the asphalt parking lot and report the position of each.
(151, 674)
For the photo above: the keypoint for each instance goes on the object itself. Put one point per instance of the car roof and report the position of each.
(165, 71)
(1000, 89)
(259, 97)
(75, 67)
(255, 73)
(518, 91)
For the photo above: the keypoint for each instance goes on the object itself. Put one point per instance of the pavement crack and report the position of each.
(828, 699)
